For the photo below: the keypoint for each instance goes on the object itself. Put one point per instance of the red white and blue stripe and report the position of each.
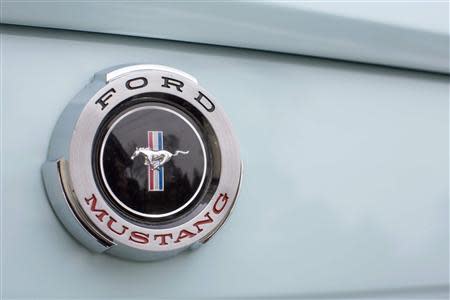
(155, 177)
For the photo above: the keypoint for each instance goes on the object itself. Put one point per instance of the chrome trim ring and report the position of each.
(73, 141)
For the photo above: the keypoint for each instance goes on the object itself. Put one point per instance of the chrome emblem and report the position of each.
(156, 159)
(143, 163)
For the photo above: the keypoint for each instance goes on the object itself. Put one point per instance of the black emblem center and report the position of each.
(152, 159)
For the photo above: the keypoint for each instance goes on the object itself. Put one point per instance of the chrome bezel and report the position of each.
(73, 141)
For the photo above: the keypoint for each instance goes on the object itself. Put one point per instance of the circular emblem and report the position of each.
(143, 163)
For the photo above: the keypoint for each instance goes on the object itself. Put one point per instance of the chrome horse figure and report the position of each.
(156, 159)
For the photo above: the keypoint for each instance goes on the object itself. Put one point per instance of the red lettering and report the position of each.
(102, 212)
(163, 238)
(111, 221)
(184, 234)
(139, 237)
(204, 221)
(224, 198)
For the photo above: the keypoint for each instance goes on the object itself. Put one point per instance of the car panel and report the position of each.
(345, 187)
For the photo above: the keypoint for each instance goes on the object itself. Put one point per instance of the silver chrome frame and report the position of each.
(68, 173)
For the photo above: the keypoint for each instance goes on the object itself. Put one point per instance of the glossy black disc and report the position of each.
(153, 160)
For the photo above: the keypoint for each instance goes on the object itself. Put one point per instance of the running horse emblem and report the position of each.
(156, 159)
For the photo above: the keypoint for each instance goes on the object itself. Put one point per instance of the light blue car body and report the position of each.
(346, 154)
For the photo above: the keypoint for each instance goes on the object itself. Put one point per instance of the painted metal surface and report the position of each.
(346, 176)
(412, 35)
